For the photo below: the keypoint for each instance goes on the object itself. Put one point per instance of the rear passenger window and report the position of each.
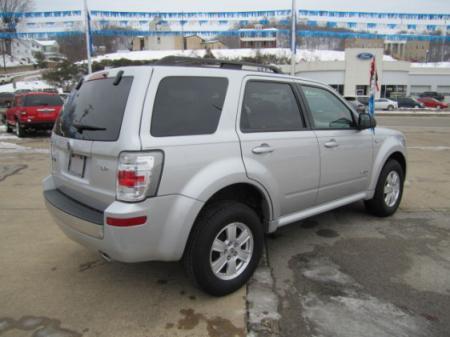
(270, 107)
(187, 106)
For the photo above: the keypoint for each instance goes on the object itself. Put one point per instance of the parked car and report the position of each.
(355, 103)
(4, 79)
(385, 104)
(432, 103)
(33, 110)
(409, 102)
(196, 162)
(432, 94)
(6, 99)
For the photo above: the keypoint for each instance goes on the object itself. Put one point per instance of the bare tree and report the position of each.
(11, 11)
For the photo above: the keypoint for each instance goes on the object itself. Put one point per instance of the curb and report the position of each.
(412, 114)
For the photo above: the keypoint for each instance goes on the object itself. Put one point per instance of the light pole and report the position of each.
(293, 36)
(4, 56)
(444, 38)
(88, 36)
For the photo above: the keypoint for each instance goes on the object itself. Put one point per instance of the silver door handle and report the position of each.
(331, 143)
(263, 148)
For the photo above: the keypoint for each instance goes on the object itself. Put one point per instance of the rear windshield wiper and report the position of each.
(85, 127)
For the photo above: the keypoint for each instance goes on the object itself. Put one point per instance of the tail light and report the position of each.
(138, 175)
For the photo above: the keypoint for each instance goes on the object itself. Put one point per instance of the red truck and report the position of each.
(33, 110)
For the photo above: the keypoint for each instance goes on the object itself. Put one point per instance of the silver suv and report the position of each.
(196, 162)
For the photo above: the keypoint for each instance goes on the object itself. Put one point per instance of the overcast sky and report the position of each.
(411, 6)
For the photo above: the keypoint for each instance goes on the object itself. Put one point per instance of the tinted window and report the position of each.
(39, 100)
(328, 112)
(96, 105)
(270, 107)
(188, 106)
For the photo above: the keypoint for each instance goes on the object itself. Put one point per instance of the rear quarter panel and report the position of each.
(197, 166)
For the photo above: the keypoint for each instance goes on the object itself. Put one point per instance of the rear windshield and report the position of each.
(95, 111)
(39, 100)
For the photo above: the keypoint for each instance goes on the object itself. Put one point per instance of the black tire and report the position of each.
(390, 107)
(8, 128)
(20, 131)
(378, 206)
(211, 221)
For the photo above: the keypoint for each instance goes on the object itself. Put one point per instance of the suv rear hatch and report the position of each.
(42, 107)
(100, 119)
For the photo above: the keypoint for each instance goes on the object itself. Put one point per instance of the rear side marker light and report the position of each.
(126, 222)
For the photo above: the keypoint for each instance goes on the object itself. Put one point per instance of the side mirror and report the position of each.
(366, 121)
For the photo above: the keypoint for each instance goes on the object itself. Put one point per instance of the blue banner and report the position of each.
(237, 14)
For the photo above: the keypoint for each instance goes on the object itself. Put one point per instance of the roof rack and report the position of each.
(209, 62)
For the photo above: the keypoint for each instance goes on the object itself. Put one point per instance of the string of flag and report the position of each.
(215, 33)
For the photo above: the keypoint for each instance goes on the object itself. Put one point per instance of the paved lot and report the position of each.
(343, 273)
(52, 287)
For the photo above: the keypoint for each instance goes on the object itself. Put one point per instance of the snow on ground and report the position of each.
(339, 302)
(6, 147)
(13, 61)
(32, 85)
(303, 55)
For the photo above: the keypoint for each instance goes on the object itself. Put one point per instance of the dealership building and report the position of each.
(350, 76)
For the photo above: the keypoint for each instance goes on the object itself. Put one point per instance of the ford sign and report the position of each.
(365, 56)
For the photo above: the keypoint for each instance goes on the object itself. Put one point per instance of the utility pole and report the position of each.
(182, 31)
(293, 37)
(88, 36)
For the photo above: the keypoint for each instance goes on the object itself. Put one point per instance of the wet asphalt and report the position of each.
(346, 273)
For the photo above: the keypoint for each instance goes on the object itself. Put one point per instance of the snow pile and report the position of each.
(31, 85)
(303, 55)
(431, 65)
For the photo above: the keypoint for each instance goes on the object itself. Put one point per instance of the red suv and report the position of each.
(33, 110)
(431, 102)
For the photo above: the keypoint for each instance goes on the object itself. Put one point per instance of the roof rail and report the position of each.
(209, 62)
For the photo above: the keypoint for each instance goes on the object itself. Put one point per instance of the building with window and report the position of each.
(166, 41)
(412, 50)
(350, 77)
(258, 37)
(158, 41)
(26, 49)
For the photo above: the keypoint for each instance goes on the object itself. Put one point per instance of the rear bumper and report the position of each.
(162, 238)
(38, 125)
